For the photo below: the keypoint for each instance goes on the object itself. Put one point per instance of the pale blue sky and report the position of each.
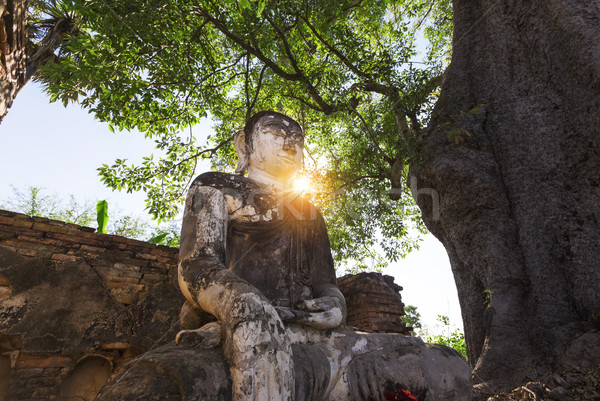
(59, 149)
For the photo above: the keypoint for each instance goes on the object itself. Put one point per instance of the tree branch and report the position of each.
(260, 79)
(425, 16)
(372, 137)
(362, 177)
(312, 91)
(332, 49)
(306, 103)
(212, 151)
(253, 50)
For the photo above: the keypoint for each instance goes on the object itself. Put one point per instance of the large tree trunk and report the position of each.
(20, 59)
(519, 199)
(13, 51)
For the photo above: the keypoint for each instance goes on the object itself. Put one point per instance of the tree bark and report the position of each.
(517, 203)
(20, 59)
(13, 51)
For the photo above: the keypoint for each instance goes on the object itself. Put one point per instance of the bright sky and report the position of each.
(59, 149)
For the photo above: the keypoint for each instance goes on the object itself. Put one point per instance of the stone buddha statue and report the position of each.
(255, 256)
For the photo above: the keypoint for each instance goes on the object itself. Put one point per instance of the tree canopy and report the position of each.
(361, 77)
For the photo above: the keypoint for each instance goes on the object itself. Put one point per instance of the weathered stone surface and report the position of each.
(430, 372)
(172, 373)
(57, 311)
(323, 372)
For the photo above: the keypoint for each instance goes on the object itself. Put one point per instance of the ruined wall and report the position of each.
(374, 303)
(75, 305)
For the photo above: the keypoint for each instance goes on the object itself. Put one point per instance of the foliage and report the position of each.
(412, 317)
(349, 72)
(102, 215)
(454, 339)
(34, 202)
(169, 235)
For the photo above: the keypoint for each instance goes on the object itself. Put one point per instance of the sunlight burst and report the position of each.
(302, 184)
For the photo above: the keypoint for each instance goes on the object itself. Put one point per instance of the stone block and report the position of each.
(6, 221)
(30, 235)
(116, 345)
(40, 382)
(41, 226)
(27, 361)
(129, 267)
(91, 241)
(126, 295)
(27, 252)
(125, 273)
(54, 371)
(162, 267)
(65, 258)
(22, 223)
(8, 247)
(92, 249)
(59, 229)
(33, 245)
(147, 256)
(164, 259)
(125, 280)
(27, 373)
(89, 234)
(122, 282)
(72, 227)
(154, 277)
(44, 391)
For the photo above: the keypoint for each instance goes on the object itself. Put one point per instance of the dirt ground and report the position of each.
(579, 384)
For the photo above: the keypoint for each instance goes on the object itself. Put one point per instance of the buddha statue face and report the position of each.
(274, 149)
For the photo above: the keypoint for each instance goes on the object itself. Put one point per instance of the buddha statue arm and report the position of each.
(255, 342)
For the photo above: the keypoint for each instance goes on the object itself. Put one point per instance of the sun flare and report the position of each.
(302, 184)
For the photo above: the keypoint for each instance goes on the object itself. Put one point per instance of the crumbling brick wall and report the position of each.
(374, 303)
(128, 267)
(71, 298)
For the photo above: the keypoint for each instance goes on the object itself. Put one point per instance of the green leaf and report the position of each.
(261, 7)
(158, 239)
(102, 215)
(245, 4)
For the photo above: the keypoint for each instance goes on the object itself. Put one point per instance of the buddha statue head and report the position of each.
(270, 147)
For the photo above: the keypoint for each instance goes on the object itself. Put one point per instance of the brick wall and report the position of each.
(70, 295)
(131, 317)
(374, 303)
(127, 266)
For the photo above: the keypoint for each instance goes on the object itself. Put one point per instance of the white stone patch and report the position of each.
(233, 203)
(360, 346)
(249, 335)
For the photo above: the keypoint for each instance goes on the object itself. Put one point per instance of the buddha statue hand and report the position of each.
(322, 313)
(207, 336)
